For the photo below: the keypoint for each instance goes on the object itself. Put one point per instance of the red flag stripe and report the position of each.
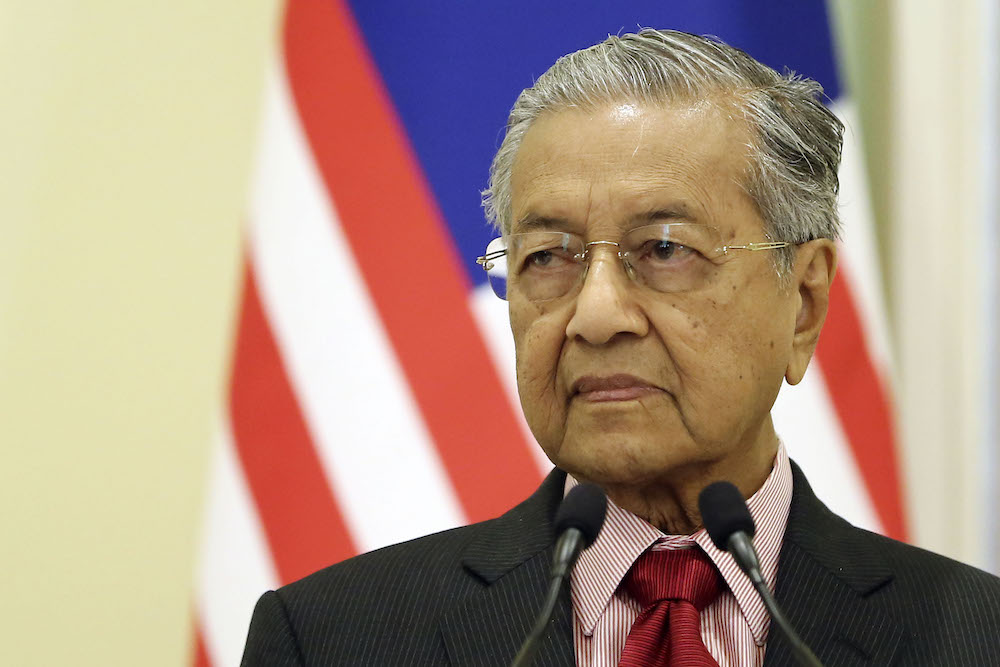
(862, 406)
(299, 515)
(200, 657)
(406, 257)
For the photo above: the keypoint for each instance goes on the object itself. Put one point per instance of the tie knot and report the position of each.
(674, 574)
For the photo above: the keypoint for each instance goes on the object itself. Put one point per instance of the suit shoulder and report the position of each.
(416, 566)
(932, 571)
(393, 605)
(863, 556)
(408, 564)
(382, 607)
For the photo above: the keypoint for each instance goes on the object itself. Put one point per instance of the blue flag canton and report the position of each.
(454, 69)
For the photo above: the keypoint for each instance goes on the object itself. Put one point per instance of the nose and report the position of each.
(605, 304)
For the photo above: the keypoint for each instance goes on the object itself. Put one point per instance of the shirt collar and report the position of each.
(625, 537)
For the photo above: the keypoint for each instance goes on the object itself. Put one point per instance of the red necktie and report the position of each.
(673, 586)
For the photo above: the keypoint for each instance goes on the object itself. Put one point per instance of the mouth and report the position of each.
(619, 387)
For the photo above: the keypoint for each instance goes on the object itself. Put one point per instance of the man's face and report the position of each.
(622, 384)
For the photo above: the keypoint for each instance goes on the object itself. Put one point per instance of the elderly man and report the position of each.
(667, 209)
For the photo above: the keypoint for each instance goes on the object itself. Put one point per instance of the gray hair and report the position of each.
(794, 152)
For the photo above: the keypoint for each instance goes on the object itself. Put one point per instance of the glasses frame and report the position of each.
(486, 259)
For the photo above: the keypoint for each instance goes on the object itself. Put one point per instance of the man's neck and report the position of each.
(671, 503)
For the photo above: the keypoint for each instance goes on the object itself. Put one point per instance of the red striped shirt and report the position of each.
(734, 627)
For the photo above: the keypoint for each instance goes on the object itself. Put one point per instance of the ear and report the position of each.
(812, 276)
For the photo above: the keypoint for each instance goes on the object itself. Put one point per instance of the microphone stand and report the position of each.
(568, 548)
(728, 522)
(740, 546)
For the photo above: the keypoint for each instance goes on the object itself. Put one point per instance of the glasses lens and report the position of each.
(544, 265)
(672, 258)
(496, 267)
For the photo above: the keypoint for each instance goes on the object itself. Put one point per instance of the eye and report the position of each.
(546, 260)
(662, 250)
(540, 258)
(659, 250)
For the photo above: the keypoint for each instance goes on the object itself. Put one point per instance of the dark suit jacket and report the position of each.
(468, 597)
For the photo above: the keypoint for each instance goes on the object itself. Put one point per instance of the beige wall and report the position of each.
(939, 211)
(126, 134)
(919, 70)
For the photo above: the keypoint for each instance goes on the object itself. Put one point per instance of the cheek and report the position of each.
(723, 347)
(695, 331)
(538, 351)
(537, 358)
(539, 338)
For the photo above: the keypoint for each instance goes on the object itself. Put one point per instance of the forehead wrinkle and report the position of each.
(643, 178)
(642, 133)
(650, 199)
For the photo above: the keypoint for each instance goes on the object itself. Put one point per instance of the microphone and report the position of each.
(728, 522)
(578, 521)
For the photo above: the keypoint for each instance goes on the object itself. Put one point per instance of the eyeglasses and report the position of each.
(672, 257)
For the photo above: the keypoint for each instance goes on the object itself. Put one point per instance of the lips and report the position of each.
(619, 387)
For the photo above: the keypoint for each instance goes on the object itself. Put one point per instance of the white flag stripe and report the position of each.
(371, 439)
(859, 252)
(806, 422)
(493, 320)
(235, 566)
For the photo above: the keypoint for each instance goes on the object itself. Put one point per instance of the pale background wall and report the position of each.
(942, 226)
(126, 135)
(926, 77)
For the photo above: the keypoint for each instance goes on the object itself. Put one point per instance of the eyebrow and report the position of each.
(676, 212)
(535, 223)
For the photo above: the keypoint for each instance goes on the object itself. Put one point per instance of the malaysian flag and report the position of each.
(372, 392)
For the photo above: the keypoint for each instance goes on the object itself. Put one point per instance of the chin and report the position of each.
(624, 461)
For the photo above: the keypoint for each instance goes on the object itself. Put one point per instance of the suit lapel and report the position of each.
(511, 560)
(827, 578)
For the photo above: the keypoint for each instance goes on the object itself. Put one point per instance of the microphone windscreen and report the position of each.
(724, 512)
(583, 508)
